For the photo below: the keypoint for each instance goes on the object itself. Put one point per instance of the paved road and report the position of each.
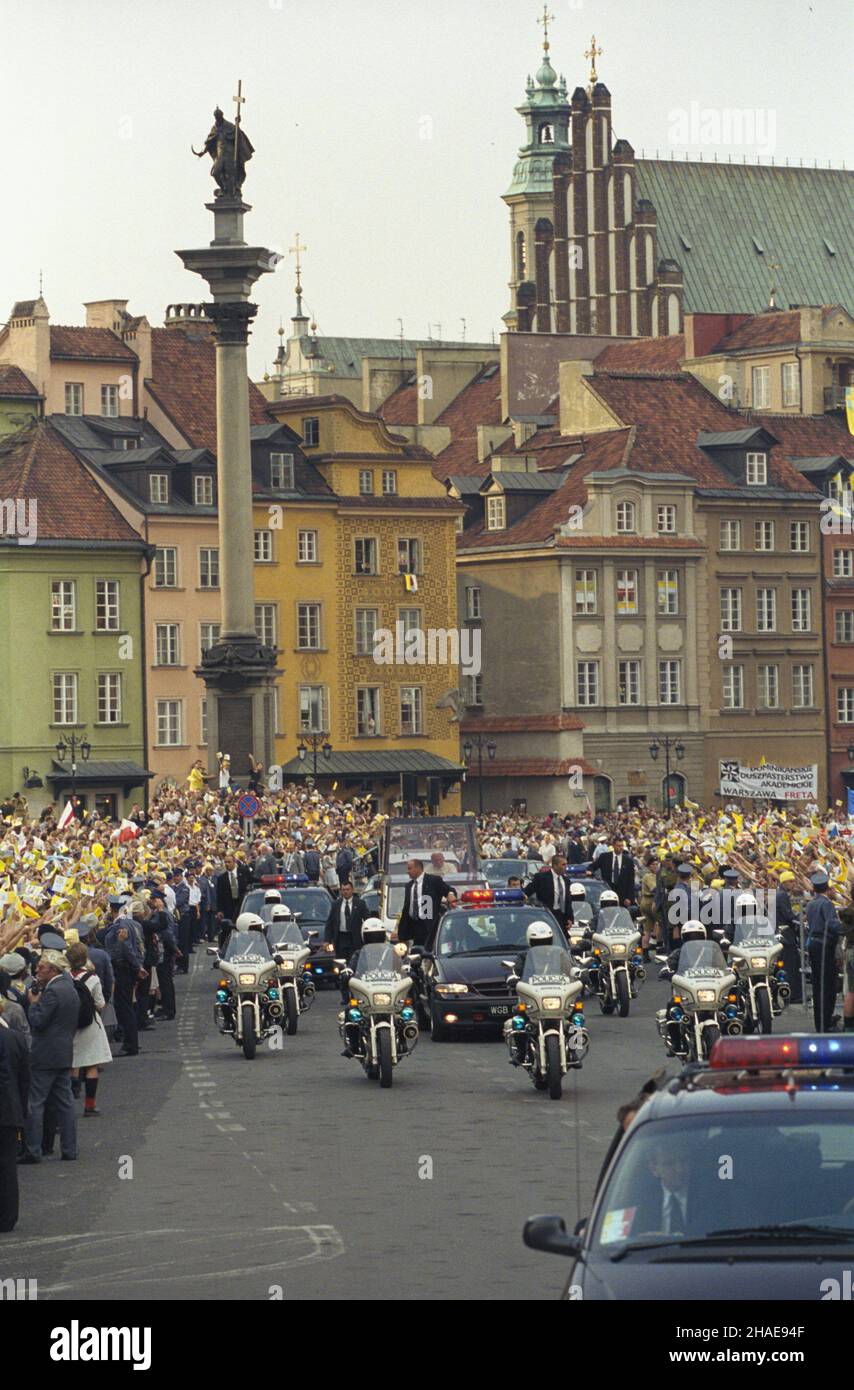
(208, 1176)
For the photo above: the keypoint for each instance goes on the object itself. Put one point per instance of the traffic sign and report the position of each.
(249, 805)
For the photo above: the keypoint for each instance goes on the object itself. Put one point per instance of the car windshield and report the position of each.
(490, 932)
(254, 902)
(753, 929)
(378, 958)
(547, 964)
(787, 1168)
(701, 958)
(247, 947)
(285, 934)
(615, 921)
(593, 887)
(371, 902)
(499, 870)
(419, 839)
(581, 911)
(312, 904)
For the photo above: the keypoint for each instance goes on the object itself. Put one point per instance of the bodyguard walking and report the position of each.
(823, 932)
(120, 943)
(53, 1016)
(14, 1094)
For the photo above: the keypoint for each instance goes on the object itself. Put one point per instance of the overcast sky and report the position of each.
(385, 132)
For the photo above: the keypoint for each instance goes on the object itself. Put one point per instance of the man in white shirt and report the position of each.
(670, 1165)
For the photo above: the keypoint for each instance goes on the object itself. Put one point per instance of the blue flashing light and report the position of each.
(221, 996)
(578, 870)
(676, 1013)
(353, 1015)
(295, 878)
(407, 1013)
(518, 1024)
(272, 994)
(509, 895)
(578, 1020)
(731, 1011)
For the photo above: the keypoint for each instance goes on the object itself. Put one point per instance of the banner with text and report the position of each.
(769, 782)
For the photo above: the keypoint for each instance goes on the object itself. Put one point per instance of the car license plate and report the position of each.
(499, 1010)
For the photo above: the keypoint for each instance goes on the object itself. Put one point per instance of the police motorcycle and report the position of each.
(583, 915)
(286, 940)
(705, 1001)
(546, 1033)
(378, 1023)
(755, 954)
(248, 1001)
(616, 965)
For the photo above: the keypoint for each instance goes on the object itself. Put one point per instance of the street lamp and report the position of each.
(851, 752)
(667, 742)
(315, 742)
(468, 748)
(72, 746)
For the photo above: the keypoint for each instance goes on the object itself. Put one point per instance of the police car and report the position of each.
(311, 904)
(462, 984)
(736, 1181)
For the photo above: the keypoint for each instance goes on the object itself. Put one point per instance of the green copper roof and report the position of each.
(726, 223)
(345, 354)
(546, 101)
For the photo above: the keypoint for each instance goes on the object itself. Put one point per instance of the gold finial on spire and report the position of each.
(546, 19)
(297, 250)
(593, 53)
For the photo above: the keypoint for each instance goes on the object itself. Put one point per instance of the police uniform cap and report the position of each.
(731, 875)
(819, 880)
(12, 963)
(685, 869)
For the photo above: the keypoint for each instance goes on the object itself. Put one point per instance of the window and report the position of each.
(474, 690)
(473, 609)
(730, 535)
(367, 710)
(801, 610)
(311, 431)
(666, 520)
(208, 567)
(409, 556)
(790, 383)
(802, 687)
(282, 472)
(308, 627)
(733, 687)
(307, 547)
(627, 591)
(763, 534)
(167, 648)
(366, 555)
(312, 709)
(389, 482)
(496, 514)
(410, 619)
(166, 567)
(109, 402)
(106, 605)
(628, 682)
(366, 482)
(109, 698)
(203, 720)
(411, 714)
(730, 610)
(766, 610)
(585, 591)
(757, 470)
(74, 398)
(588, 682)
(263, 547)
(63, 605)
(265, 623)
(760, 378)
(844, 625)
(667, 585)
(668, 682)
(625, 517)
(65, 697)
(127, 443)
(367, 621)
(768, 686)
(845, 704)
(168, 713)
(208, 635)
(158, 487)
(839, 490)
(203, 492)
(799, 536)
(843, 564)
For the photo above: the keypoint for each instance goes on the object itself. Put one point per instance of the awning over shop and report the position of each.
(91, 774)
(382, 763)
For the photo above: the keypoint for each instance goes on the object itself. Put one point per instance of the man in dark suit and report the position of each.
(344, 923)
(550, 887)
(617, 869)
(54, 1011)
(422, 904)
(14, 1093)
(231, 885)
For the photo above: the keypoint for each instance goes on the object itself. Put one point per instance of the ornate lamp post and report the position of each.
(667, 742)
(479, 742)
(314, 742)
(72, 746)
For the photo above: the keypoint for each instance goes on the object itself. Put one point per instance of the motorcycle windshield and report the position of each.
(581, 912)
(378, 958)
(247, 948)
(615, 921)
(285, 934)
(701, 958)
(757, 931)
(547, 962)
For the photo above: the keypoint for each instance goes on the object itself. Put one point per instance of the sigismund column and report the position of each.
(239, 671)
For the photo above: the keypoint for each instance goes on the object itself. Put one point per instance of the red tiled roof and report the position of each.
(537, 767)
(14, 382)
(643, 355)
(38, 465)
(520, 723)
(184, 385)
(763, 330)
(92, 344)
(479, 403)
(809, 436)
(401, 407)
(585, 542)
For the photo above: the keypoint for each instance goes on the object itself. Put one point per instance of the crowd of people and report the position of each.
(98, 918)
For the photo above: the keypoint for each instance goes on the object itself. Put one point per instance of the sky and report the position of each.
(385, 132)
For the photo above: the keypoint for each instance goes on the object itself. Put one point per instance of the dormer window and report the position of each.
(757, 470)
(158, 487)
(625, 518)
(496, 514)
(282, 472)
(203, 490)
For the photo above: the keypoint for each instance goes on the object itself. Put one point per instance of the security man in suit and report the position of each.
(422, 904)
(344, 923)
(790, 934)
(617, 869)
(823, 932)
(231, 885)
(550, 887)
(53, 1015)
(122, 946)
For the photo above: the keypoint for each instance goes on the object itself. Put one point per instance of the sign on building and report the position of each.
(769, 782)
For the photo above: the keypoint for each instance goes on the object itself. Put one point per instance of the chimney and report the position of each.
(28, 342)
(188, 318)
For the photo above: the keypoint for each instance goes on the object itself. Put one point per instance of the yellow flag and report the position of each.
(849, 407)
(762, 760)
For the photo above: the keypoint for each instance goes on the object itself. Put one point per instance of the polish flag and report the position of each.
(127, 830)
(67, 816)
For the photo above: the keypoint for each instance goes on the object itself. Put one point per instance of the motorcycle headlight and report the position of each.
(552, 1001)
(758, 963)
(618, 948)
(247, 979)
(286, 965)
(707, 996)
(381, 1000)
(452, 989)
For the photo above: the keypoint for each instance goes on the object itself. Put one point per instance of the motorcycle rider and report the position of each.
(373, 933)
(691, 931)
(538, 934)
(246, 922)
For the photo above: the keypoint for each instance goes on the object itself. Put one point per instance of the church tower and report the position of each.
(530, 197)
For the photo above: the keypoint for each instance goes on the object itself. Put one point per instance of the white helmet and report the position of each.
(693, 931)
(746, 901)
(540, 934)
(373, 930)
(281, 913)
(272, 895)
(577, 890)
(609, 899)
(249, 921)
